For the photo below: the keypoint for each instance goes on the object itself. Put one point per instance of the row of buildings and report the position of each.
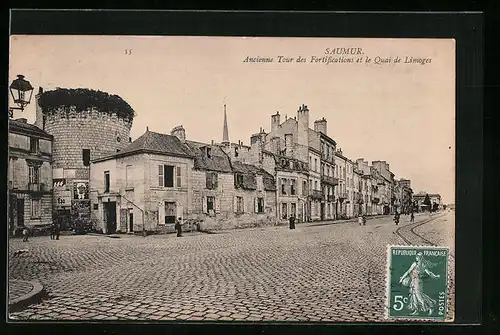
(79, 162)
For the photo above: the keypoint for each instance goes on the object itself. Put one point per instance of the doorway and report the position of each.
(322, 211)
(131, 221)
(110, 215)
(20, 212)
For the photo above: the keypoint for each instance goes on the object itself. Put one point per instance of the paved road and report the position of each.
(314, 273)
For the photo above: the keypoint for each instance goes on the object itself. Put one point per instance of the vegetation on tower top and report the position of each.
(84, 99)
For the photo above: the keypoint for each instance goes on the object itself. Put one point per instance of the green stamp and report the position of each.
(417, 282)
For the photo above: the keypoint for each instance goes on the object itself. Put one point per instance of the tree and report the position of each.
(427, 201)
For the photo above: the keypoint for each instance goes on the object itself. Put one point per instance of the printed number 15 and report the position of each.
(128, 51)
(399, 302)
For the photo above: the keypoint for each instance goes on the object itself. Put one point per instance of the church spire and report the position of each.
(225, 132)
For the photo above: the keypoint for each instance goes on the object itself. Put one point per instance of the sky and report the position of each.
(403, 113)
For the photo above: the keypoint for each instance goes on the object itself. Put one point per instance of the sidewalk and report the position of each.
(23, 293)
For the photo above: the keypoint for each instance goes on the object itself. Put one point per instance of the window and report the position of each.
(310, 162)
(34, 145)
(36, 208)
(284, 210)
(86, 157)
(178, 175)
(239, 204)
(316, 164)
(209, 152)
(96, 207)
(260, 205)
(283, 186)
(236, 152)
(210, 203)
(166, 175)
(106, 182)
(211, 180)
(128, 176)
(292, 187)
(304, 187)
(33, 174)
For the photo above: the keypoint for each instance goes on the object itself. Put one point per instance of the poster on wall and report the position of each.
(62, 198)
(80, 190)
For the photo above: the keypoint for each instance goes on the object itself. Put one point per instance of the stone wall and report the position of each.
(74, 131)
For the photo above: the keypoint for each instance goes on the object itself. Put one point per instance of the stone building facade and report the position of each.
(328, 179)
(341, 195)
(160, 178)
(80, 136)
(29, 176)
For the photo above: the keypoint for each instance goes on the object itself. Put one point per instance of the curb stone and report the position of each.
(33, 296)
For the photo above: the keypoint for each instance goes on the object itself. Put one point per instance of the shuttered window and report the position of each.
(178, 175)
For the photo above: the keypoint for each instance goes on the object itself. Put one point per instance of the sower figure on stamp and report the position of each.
(413, 277)
(178, 227)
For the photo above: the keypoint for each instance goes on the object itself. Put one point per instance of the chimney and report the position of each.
(179, 132)
(320, 125)
(275, 145)
(275, 122)
(256, 149)
(39, 118)
(289, 144)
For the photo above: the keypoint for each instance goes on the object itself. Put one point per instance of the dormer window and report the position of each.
(236, 152)
(209, 152)
(34, 145)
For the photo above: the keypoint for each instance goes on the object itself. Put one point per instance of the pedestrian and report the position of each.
(25, 234)
(396, 218)
(360, 220)
(57, 230)
(178, 227)
(52, 231)
(292, 222)
(412, 217)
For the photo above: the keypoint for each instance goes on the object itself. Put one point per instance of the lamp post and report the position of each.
(21, 91)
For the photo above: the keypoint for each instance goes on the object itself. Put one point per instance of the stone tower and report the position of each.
(86, 125)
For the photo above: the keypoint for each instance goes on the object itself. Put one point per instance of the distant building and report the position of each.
(30, 176)
(434, 198)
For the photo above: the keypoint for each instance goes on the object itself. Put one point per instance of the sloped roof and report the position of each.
(218, 161)
(16, 126)
(158, 143)
(244, 168)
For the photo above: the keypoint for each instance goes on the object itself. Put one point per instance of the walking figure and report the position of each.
(57, 230)
(52, 231)
(178, 227)
(396, 218)
(412, 217)
(25, 234)
(292, 222)
(413, 277)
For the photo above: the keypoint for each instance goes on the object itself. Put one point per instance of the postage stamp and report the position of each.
(417, 282)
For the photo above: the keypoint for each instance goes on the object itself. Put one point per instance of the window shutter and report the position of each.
(215, 180)
(217, 205)
(256, 205)
(161, 213)
(235, 204)
(179, 176)
(160, 176)
(205, 205)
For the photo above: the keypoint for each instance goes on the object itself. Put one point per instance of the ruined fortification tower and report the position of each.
(86, 125)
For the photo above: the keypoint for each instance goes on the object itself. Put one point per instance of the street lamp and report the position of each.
(21, 91)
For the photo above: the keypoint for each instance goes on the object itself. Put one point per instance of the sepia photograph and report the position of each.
(231, 179)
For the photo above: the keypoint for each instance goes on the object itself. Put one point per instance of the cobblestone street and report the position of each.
(314, 273)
